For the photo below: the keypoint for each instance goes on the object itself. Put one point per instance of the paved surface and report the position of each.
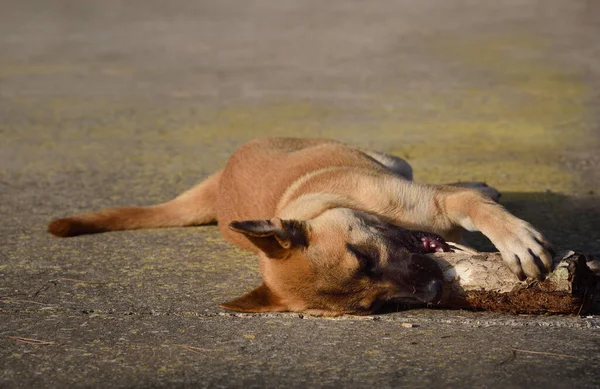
(116, 103)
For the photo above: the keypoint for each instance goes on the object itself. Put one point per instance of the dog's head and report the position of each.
(340, 262)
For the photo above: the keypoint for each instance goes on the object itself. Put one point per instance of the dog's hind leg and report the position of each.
(396, 164)
(402, 168)
(489, 191)
(193, 207)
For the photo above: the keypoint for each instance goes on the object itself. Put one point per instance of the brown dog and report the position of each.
(328, 222)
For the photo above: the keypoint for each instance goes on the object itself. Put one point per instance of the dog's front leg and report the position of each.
(445, 209)
(439, 209)
(523, 248)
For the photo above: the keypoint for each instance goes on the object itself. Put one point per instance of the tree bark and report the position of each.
(481, 281)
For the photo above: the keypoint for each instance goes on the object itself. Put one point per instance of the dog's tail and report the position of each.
(193, 207)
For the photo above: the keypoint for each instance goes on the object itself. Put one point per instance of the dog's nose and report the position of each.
(433, 293)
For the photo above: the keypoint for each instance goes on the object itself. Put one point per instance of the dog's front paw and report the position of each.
(525, 251)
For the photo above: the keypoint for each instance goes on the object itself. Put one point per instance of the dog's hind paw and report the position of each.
(489, 191)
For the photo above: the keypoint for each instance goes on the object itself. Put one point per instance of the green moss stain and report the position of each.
(509, 133)
(505, 120)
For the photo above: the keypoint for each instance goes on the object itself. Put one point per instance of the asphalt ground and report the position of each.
(129, 103)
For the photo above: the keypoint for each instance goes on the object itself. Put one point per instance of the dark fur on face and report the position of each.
(345, 261)
(413, 241)
(417, 278)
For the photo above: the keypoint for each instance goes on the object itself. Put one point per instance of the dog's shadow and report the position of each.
(568, 223)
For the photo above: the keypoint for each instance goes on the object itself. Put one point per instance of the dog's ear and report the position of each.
(274, 237)
(260, 299)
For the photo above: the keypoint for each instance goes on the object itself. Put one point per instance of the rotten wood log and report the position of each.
(481, 281)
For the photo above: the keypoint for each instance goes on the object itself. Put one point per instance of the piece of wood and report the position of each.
(481, 281)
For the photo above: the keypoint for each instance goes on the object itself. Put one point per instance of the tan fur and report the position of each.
(306, 205)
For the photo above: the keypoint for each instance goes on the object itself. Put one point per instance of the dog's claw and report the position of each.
(527, 253)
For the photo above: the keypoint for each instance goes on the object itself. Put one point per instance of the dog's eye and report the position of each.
(367, 259)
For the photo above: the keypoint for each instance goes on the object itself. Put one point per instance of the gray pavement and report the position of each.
(116, 103)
